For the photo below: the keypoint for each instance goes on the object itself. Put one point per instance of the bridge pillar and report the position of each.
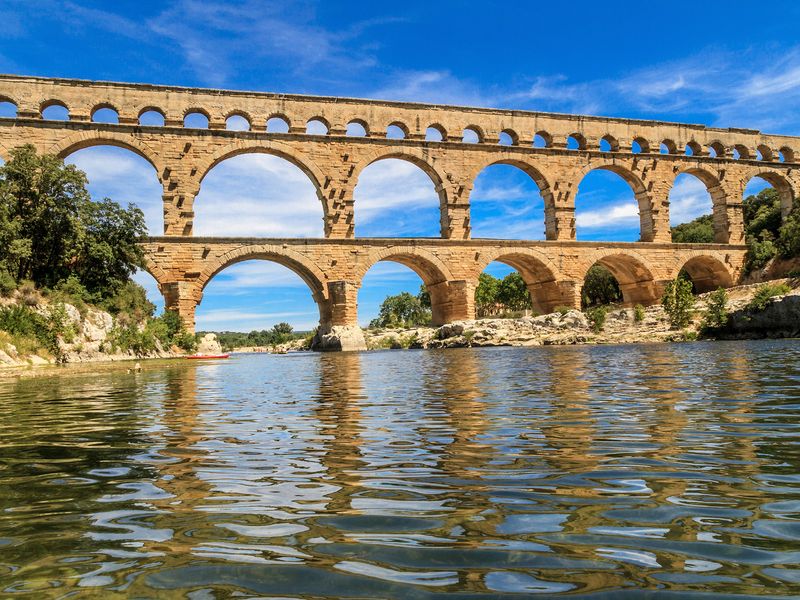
(180, 297)
(559, 210)
(338, 325)
(728, 214)
(451, 301)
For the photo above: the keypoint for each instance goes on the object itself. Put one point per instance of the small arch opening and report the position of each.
(105, 114)
(716, 150)
(668, 147)
(55, 111)
(576, 141)
(693, 149)
(471, 136)
(237, 122)
(542, 139)
(741, 152)
(151, 117)
(435, 133)
(396, 131)
(508, 138)
(640, 146)
(8, 110)
(316, 126)
(195, 120)
(765, 153)
(786, 154)
(706, 274)
(634, 283)
(356, 129)
(609, 143)
(279, 124)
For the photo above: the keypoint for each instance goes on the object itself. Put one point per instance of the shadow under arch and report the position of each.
(434, 274)
(784, 188)
(89, 139)
(418, 161)
(646, 223)
(538, 178)
(718, 201)
(635, 279)
(272, 148)
(707, 273)
(537, 271)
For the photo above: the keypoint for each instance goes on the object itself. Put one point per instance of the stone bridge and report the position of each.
(333, 139)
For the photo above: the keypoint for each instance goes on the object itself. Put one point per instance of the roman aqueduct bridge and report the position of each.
(452, 145)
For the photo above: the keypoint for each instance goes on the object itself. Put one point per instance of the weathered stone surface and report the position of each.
(345, 338)
(334, 267)
(208, 344)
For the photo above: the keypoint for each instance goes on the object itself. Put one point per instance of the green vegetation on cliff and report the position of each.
(59, 246)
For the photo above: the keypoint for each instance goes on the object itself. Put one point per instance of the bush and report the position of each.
(597, 317)
(716, 315)
(42, 332)
(789, 235)
(678, 302)
(764, 294)
(71, 291)
(638, 313)
(759, 252)
(562, 309)
(28, 293)
(7, 283)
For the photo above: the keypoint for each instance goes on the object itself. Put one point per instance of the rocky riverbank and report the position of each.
(780, 318)
(89, 338)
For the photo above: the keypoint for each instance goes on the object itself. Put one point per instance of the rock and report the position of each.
(340, 337)
(208, 344)
(97, 326)
(450, 330)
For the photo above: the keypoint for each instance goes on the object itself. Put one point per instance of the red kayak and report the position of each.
(206, 356)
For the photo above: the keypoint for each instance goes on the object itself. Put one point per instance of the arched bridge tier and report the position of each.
(334, 268)
(649, 155)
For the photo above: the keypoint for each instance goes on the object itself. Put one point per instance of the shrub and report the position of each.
(597, 317)
(562, 309)
(71, 291)
(7, 283)
(37, 331)
(789, 235)
(638, 313)
(759, 252)
(716, 315)
(28, 293)
(764, 294)
(678, 302)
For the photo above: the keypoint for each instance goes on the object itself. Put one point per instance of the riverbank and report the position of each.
(779, 318)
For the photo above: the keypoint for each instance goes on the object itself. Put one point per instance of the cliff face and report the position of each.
(90, 339)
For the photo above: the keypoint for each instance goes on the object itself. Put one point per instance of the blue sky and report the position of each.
(732, 64)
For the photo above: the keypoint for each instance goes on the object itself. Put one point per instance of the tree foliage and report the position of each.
(402, 310)
(51, 230)
(600, 287)
(501, 297)
(698, 231)
(678, 302)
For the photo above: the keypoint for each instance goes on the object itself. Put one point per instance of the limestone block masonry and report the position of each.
(555, 150)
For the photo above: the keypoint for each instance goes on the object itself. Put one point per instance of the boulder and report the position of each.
(208, 344)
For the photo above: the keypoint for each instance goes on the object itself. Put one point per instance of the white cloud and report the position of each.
(618, 214)
(242, 320)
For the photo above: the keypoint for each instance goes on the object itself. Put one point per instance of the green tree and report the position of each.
(697, 231)
(789, 235)
(402, 310)
(716, 315)
(678, 302)
(512, 293)
(424, 296)
(487, 295)
(600, 287)
(50, 229)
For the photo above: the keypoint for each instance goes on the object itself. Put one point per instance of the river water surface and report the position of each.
(501, 472)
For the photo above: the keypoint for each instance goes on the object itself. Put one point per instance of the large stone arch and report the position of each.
(418, 158)
(88, 139)
(639, 282)
(627, 171)
(707, 272)
(306, 269)
(539, 177)
(435, 274)
(541, 275)
(780, 182)
(719, 199)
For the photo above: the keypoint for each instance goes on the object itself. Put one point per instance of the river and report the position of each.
(592, 472)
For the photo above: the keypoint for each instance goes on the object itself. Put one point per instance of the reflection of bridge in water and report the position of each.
(556, 151)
